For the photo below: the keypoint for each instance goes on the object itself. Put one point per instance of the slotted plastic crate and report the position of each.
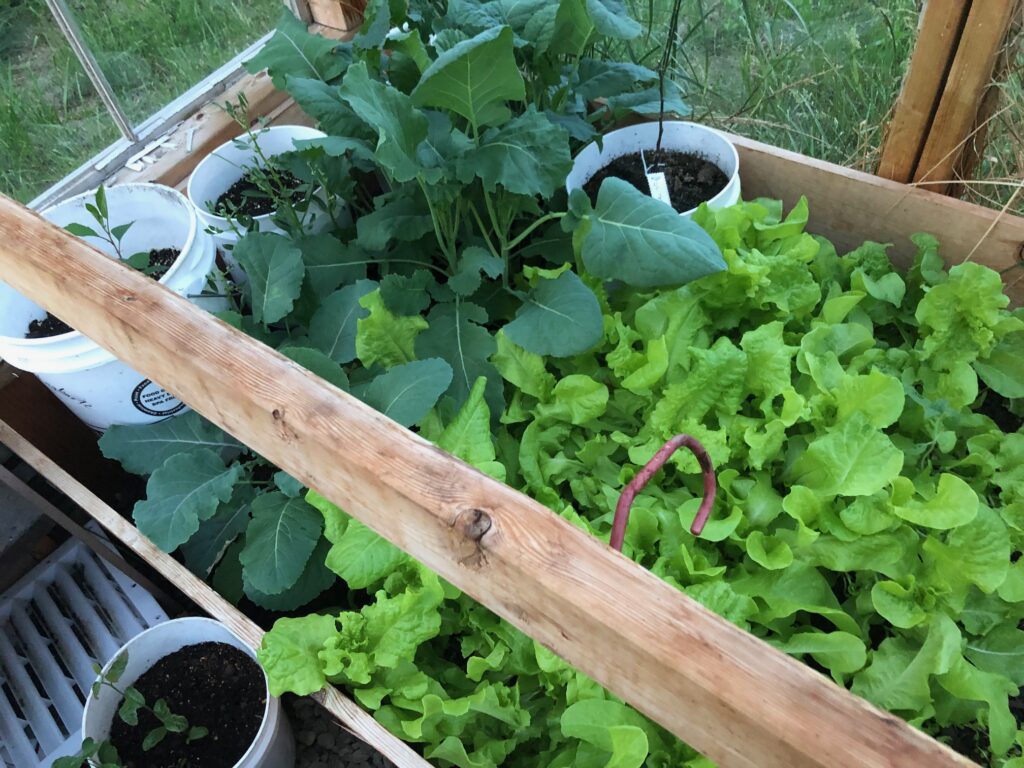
(71, 610)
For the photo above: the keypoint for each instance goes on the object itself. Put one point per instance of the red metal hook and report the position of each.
(644, 475)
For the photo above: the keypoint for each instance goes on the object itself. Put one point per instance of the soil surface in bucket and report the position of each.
(161, 260)
(245, 197)
(51, 325)
(691, 179)
(213, 685)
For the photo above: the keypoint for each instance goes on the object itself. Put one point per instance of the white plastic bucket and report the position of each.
(274, 745)
(96, 386)
(219, 170)
(679, 136)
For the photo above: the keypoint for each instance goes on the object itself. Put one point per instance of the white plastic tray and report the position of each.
(68, 612)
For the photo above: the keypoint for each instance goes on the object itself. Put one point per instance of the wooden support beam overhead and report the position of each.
(969, 77)
(938, 35)
(731, 696)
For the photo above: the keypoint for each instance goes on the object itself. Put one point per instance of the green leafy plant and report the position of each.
(866, 520)
(449, 249)
(100, 212)
(469, 129)
(288, 184)
(103, 754)
(864, 422)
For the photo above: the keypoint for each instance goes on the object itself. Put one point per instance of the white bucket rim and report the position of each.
(652, 127)
(200, 206)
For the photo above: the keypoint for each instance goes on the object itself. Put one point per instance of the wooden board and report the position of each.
(937, 37)
(968, 79)
(849, 207)
(722, 690)
(342, 15)
(347, 711)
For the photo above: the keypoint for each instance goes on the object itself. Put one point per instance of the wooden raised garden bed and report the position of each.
(731, 696)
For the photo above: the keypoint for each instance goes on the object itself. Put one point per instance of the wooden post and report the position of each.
(956, 51)
(342, 15)
(938, 34)
(968, 79)
(728, 694)
(974, 148)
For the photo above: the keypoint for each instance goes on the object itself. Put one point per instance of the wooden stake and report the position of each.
(348, 712)
(730, 695)
(974, 148)
(969, 77)
(938, 34)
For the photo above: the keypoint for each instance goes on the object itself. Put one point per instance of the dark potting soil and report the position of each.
(51, 325)
(160, 260)
(246, 198)
(213, 685)
(691, 179)
(997, 408)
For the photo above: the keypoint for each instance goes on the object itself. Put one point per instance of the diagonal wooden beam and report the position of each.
(725, 692)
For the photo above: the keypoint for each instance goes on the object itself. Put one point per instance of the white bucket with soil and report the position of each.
(679, 136)
(273, 746)
(94, 384)
(219, 171)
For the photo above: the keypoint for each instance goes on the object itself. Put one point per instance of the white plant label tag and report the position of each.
(659, 187)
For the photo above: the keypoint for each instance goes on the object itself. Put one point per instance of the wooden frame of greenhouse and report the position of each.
(726, 693)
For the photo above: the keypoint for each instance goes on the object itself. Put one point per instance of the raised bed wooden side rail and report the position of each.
(731, 696)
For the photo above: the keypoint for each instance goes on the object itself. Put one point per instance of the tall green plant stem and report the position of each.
(533, 227)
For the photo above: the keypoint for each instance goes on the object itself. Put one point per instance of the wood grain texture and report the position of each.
(343, 708)
(849, 207)
(974, 148)
(937, 37)
(969, 77)
(731, 696)
(343, 15)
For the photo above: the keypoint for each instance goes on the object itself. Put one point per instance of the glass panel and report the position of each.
(51, 120)
(153, 50)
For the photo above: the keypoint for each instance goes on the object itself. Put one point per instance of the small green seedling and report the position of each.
(113, 235)
(103, 754)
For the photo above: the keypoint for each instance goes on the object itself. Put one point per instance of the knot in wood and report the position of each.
(475, 524)
(471, 525)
